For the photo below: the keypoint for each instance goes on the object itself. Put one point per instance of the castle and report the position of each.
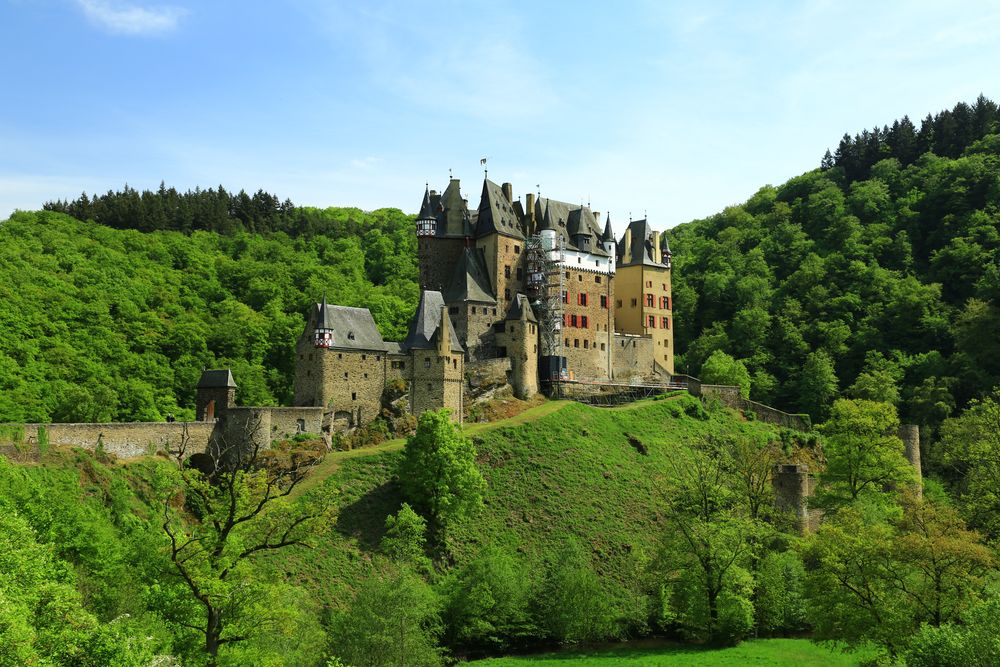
(539, 286)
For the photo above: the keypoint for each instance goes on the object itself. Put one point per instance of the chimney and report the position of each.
(444, 333)
(508, 192)
(529, 205)
(628, 245)
(655, 240)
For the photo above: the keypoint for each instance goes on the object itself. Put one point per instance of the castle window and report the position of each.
(350, 335)
(494, 311)
(649, 300)
(602, 347)
(454, 363)
(567, 275)
(364, 357)
(366, 376)
(649, 283)
(354, 395)
(580, 278)
(618, 303)
(302, 356)
(633, 303)
(664, 287)
(586, 344)
(532, 328)
(583, 321)
(604, 301)
(428, 386)
(378, 357)
(517, 250)
(535, 348)
(506, 271)
(651, 322)
(565, 296)
(506, 294)
(666, 357)
(340, 355)
(582, 299)
(572, 320)
(597, 279)
(300, 425)
(567, 342)
(664, 322)
(579, 260)
(427, 362)
(576, 342)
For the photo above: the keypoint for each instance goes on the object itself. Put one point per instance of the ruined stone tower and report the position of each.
(216, 394)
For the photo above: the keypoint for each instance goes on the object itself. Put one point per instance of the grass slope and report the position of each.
(560, 470)
(799, 652)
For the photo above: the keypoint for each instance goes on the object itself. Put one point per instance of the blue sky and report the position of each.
(672, 109)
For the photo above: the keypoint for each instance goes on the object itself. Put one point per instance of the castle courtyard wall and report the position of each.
(632, 358)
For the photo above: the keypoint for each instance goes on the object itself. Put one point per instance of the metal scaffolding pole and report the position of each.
(545, 289)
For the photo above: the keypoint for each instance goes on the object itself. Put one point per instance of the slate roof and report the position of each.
(452, 212)
(518, 305)
(470, 281)
(426, 206)
(609, 234)
(573, 223)
(426, 322)
(353, 328)
(221, 378)
(496, 214)
(642, 246)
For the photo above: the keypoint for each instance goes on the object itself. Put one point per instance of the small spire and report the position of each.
(609, 235)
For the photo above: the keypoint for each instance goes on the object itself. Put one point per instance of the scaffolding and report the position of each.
(546, 288)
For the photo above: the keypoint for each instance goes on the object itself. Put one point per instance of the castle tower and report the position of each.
(437, 360)
(216, 393)
(608, 242)
(472, 305)
(518, 341)
(500, 238)
(792, 488)
(643, 301)
(444, 229)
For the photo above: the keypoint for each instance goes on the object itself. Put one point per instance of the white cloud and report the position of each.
(128, 19)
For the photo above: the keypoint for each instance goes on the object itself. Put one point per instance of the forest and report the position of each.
(100, 324)
(876, 276)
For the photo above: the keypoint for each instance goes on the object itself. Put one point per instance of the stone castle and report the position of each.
(539, 287)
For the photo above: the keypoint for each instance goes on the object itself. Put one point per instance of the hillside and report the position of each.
(99, 324)
(877, 276)
(561, 472)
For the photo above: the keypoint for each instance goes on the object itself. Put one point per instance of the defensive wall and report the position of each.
(132, 439)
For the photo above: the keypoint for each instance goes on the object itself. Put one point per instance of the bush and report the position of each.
(572, 606)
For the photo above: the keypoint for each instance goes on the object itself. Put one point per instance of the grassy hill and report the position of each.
(561, 470)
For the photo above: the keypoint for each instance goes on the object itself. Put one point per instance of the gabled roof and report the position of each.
(426, 322)
(353, 328)
(641, 251)
(452, 212)
(519, 305)
(570, 221)
(221, 378)
(470, 281)
(496, 214)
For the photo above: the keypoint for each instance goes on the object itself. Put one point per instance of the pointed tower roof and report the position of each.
(322, 320)
(426, 208)
(426, 323)
(470, 281)
(521, 306)
(609, 234)
(452, 212)
(221, 378)
(641, 249)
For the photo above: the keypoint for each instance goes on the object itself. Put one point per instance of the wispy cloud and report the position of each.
(128, 19)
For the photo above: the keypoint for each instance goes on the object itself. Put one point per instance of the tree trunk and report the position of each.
(213, 631)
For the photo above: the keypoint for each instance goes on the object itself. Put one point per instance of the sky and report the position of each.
(669, 110)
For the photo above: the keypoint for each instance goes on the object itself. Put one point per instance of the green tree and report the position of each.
(438, 474)
(863, 450)
(393, 620)
(572, 604)
(720, 368)
(405, 538)
(817, 385)
(238, 499)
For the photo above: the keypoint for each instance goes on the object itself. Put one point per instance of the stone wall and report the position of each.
(730, 397)
(352, 383)
(793, 486)
(632, 358)
(437, 382)
(438, 258)
(487, 373)
(124, 440)
(473, 324)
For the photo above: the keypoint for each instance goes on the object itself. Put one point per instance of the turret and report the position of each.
(665, 250)
(426, 221)
(323, 333)
(216, 393)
